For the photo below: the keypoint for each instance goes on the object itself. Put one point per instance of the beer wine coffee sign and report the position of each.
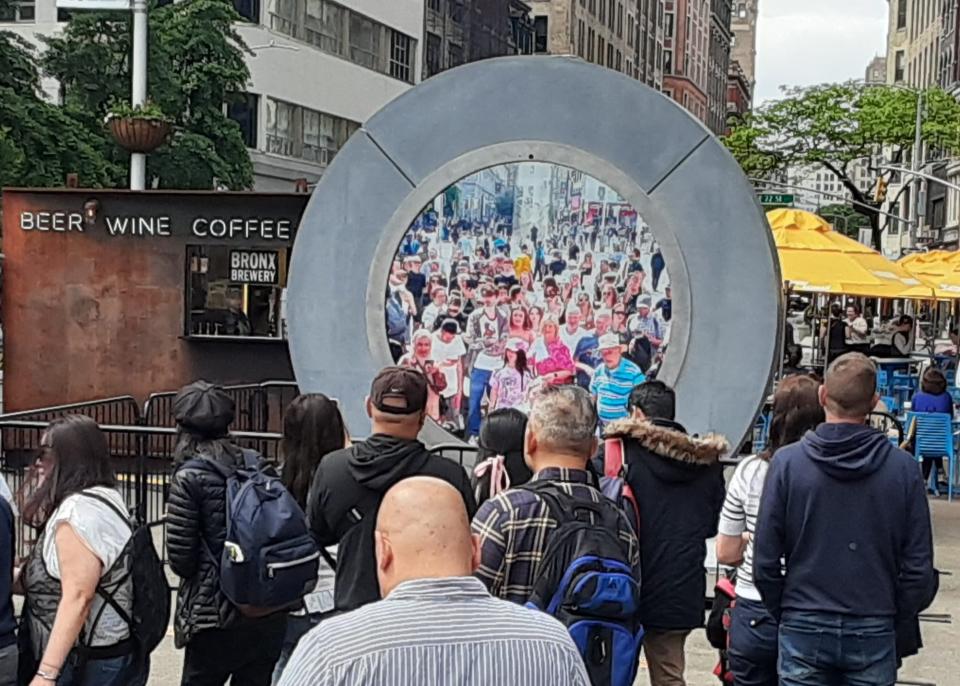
(254, 266)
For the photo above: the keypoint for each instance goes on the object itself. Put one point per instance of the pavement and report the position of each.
(935, 666)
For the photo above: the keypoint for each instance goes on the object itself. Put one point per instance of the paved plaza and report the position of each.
(936, 665)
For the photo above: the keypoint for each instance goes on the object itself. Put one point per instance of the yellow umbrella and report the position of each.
(939, 268)
(815, 258)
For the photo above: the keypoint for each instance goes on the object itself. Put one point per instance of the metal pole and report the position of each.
(915, 167)
(138, 96)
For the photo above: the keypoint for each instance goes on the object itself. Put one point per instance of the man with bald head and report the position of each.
(349, 484)
(436, 624)
(848, 512)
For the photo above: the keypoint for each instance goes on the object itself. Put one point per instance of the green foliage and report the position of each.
(40, 143)
(831, 126)
(195, 64)
(148, 110)
(845, 219)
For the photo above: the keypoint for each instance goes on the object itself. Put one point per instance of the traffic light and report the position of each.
(881, 193)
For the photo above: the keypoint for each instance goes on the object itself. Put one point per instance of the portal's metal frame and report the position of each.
(713, 233)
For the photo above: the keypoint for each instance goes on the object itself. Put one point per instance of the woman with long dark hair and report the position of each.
(500, 462)
(753, 634)
(509, 385)
(76, 637)
(312, 428)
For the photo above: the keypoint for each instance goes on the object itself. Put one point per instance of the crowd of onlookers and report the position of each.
(493, 318)
(575, 545)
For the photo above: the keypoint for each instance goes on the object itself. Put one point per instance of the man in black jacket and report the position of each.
(220, 643)
(678, 483)
(349, 484)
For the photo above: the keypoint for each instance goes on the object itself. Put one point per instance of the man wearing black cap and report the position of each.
(349, 484)
(220, 643)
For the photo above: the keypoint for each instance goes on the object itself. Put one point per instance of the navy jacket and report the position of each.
(848, 512)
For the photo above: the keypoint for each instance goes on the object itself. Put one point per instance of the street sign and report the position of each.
(776, 199)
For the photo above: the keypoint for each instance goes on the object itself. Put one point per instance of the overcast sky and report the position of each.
(805, 42)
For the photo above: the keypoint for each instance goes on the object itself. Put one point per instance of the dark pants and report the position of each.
(244, 654)
(126, 670)
(753, 645)
(657, 271)
(928, 464)
(297, 627)
(826, 649)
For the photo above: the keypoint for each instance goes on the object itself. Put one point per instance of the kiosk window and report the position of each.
(236, 292)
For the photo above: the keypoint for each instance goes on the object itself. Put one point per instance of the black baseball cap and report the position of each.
(399, 390)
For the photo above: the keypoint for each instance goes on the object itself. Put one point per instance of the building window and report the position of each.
(455, 10)
(603, 11)
(245, 112)
(581, 31)
(901, 14)
(591, 35)
(601, 45)
(295, 131)
(236, 291)
(24, 11)
(340, 31)
(898, 67)
(619, 20)
(434, 5)
(742, 10)
(434, 45)
(668, 61)
(609, 54)
(619, 63)
(401, 58)
(593, 7)
(540, 34)
(454, 55)
(248, 9)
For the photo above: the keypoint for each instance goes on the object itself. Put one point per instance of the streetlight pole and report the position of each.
(138, 95)
(915, 167)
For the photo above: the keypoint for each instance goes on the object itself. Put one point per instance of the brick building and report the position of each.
(686, 47)
(718, 65)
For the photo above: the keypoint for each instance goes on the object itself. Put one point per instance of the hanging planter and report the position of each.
(140, 129)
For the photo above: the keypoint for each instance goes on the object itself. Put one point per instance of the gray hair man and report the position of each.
(514, 528)
(436, 623)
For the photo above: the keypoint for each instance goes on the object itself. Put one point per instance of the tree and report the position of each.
(40, 143)
(195, 65)
(845, 219)
(833, 126)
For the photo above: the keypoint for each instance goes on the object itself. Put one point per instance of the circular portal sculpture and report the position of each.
(699, 205)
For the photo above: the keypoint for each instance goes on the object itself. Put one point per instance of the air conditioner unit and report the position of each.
(865, 236)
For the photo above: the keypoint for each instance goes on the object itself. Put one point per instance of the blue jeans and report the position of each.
(126, 670)
(479, 382)
(753, 645)
(297, 627)
(827, 649)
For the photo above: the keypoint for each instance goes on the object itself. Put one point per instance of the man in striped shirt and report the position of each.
(614, 380)
(436, 624)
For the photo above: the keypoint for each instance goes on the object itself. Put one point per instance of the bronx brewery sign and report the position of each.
(254, 266)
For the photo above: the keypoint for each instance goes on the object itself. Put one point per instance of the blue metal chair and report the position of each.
(904, 386)
(761, 431)
(955, 394)
(883, 382)
(933, 437)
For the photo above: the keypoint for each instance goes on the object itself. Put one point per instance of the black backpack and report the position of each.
(151, 592)
(586, 581)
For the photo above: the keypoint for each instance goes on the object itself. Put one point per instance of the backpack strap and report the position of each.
(327, 557)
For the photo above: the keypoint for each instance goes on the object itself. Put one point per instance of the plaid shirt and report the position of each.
(514, 529)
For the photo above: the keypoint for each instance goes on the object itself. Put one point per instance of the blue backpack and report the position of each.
(586, 581)
(270, 559)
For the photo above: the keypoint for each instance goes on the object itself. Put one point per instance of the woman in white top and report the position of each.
(753, 632)
(77, 638)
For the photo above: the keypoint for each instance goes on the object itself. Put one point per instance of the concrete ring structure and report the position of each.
(701, 208)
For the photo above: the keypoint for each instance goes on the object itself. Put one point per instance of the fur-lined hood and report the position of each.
(662, 440)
